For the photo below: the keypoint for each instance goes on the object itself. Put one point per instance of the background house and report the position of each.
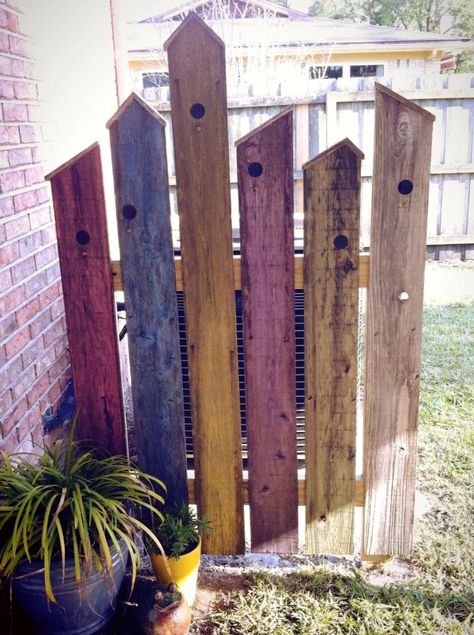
(326, 68)
(276, 51)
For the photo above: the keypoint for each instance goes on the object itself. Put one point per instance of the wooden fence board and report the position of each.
(394, 318)
(137, 136)
(199, 114)
(265, 170)
(86, 272)
(331, 285)
(363, 273)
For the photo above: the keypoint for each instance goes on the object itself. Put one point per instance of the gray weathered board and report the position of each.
(142, 200)
(265, 172)
(394, 318)
(331, 287)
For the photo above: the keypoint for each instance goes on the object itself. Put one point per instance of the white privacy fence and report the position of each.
(329, 110)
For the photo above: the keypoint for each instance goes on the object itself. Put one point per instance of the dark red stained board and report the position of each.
(199, 115)
(137, 135)
(400, 188)
(265, 175)
(86, 272)
(331, 291)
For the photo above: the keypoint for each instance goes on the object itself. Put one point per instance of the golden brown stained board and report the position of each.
(199, 115)
(363, 273)
(265, 175)
(331, 286)
(394, 318)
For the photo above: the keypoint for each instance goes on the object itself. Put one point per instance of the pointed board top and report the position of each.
(284, 113)
(380, 88)
(134, 97)
(71, 161)
(345, 142)
(191, 21)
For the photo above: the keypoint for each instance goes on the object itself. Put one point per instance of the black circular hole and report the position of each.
(128, 211)
(341, 242)
(82, 237)
(405, 187)
(197, 111)
(255, 169)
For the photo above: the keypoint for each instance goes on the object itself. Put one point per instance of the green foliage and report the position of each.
(324, 602)
(455, 16)
(179, 531)
(441, 598)
(71, 502)
(444, 546)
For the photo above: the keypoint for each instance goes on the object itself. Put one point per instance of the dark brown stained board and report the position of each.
(331, 286)
(199, 115)
(397, 259)
(265, 177)
(86, 273)
(137, 137)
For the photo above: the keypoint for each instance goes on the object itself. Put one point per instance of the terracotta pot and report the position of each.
(170, 614)
(184, 571)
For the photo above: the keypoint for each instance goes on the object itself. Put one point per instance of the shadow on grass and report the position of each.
(321, 601)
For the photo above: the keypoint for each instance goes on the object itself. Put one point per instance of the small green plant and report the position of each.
(179, 531)
(72, 502)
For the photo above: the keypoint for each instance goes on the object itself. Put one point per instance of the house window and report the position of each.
(367, 70)
(155, 80)
(325, 72)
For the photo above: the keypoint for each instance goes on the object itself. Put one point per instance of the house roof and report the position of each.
(286, 33)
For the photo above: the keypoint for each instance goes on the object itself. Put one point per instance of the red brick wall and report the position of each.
(34, 364)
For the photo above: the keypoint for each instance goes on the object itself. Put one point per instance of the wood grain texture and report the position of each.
(359, 489)
(398, 246)
(268, 313)
(137, 137)
(331, 285)
(363, 273)
(86, 273)
(199, 115)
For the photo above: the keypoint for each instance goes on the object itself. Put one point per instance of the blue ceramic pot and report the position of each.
(82, 608)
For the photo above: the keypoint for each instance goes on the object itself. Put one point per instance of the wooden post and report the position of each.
(86, 272)
(331, 285)
(394, 317)
(199, 115)
(138, 145)
(265, 175)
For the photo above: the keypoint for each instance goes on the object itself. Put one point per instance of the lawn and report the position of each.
(435, 591)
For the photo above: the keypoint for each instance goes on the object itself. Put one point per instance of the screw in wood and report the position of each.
(403, 296)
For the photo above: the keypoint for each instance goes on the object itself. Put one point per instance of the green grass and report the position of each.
(440, 599)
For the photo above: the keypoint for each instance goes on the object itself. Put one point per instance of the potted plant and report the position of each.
(179, 534)
(68, 522)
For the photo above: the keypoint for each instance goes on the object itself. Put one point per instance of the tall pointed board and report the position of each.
(138, 145)
(265, 174)
(331, 287)
(86, 273)
(403, 134)
(199, 117)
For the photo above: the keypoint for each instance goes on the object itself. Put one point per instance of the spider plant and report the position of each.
(74, 503)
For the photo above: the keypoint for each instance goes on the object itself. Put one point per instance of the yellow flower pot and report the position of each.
(184, 571)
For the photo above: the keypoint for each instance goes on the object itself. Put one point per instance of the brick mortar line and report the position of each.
(25, 235)
(28, 300)
(28, 278)
(24, 212)
(37, 380)
(18, 34)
